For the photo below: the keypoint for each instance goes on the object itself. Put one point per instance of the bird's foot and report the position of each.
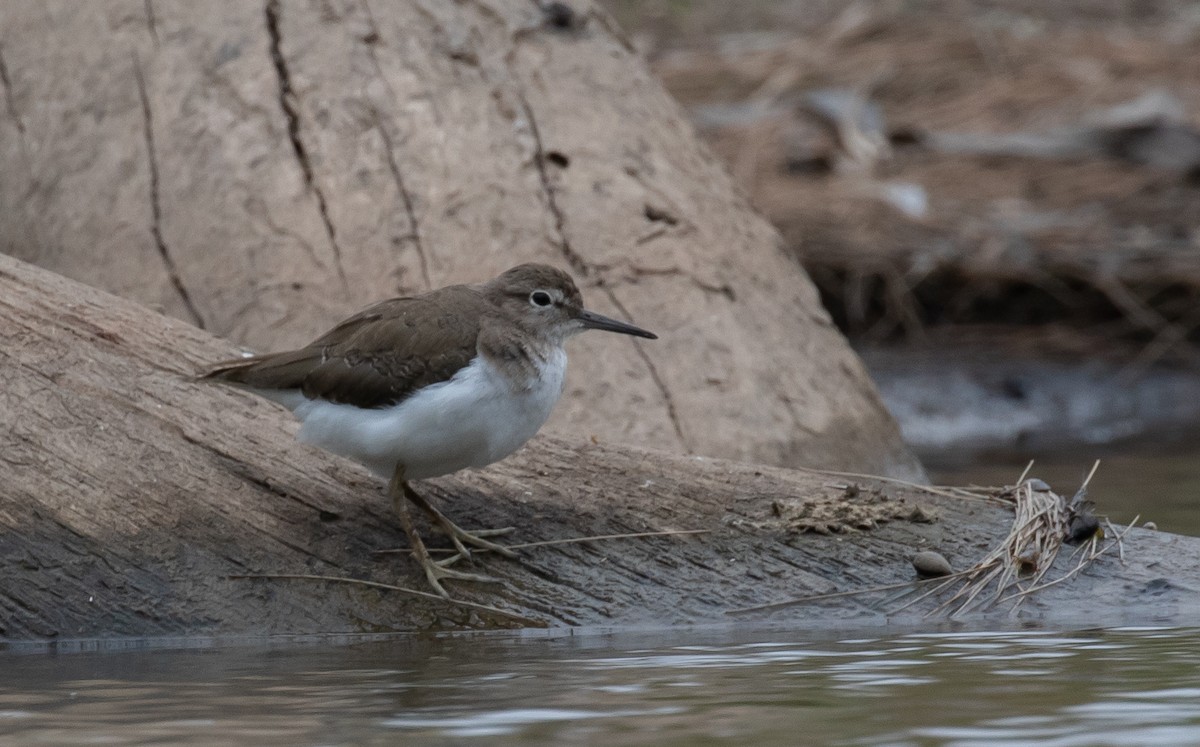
(459, 536)
(435, 572)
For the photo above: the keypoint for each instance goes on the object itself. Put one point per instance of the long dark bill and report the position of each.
(592, 320)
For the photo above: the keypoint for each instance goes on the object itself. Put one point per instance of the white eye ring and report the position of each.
(540, 298)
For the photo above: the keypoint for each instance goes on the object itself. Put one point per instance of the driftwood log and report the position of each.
(265, 169)
(130, 494)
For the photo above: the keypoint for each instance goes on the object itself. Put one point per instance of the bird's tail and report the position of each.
(285, 370)
(230, 371)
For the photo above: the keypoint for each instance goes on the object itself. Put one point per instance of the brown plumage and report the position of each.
(377, 357)
(381, 355)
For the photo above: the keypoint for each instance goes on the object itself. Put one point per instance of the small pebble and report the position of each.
(1151, 526)
(929, 564)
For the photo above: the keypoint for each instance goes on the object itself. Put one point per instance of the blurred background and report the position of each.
(1000, 204)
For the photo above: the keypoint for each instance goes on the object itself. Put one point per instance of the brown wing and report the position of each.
(378, 357)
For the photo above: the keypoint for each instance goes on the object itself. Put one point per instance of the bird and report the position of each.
(423, 386)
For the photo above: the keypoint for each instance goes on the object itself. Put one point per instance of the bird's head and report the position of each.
(546, 300)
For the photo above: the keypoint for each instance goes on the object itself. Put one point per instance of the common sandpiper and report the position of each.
(423, 386)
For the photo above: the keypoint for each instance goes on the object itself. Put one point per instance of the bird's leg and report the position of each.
(457, 534)
(399, 489)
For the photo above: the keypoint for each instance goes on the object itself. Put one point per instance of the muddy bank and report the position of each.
(133, 499)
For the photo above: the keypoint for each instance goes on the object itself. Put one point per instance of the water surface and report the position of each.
(1119, 687)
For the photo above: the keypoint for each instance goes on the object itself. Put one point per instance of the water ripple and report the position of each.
(1128, 686)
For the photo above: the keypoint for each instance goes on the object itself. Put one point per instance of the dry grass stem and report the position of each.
(1094, 552)
(567, 541)
(388, 587)
(1020, 564)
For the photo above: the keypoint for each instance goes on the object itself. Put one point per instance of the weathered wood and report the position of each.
(266, 169)
(129, 493)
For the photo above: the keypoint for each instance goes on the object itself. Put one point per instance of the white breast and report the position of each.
(475, 418)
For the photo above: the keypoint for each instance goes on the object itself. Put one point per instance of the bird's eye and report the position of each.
(540, 298)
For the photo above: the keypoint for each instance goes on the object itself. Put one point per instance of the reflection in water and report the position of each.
(1120, 687)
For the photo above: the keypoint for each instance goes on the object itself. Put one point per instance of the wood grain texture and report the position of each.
(129, 493)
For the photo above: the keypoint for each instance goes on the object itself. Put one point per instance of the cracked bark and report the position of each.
(539, 159)
(155, 203)
(389, 145)
(580, 266)
(407, 199)
(8, 97)
(151, 21)
(287, 97)
(655, 376)
(23, 143)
